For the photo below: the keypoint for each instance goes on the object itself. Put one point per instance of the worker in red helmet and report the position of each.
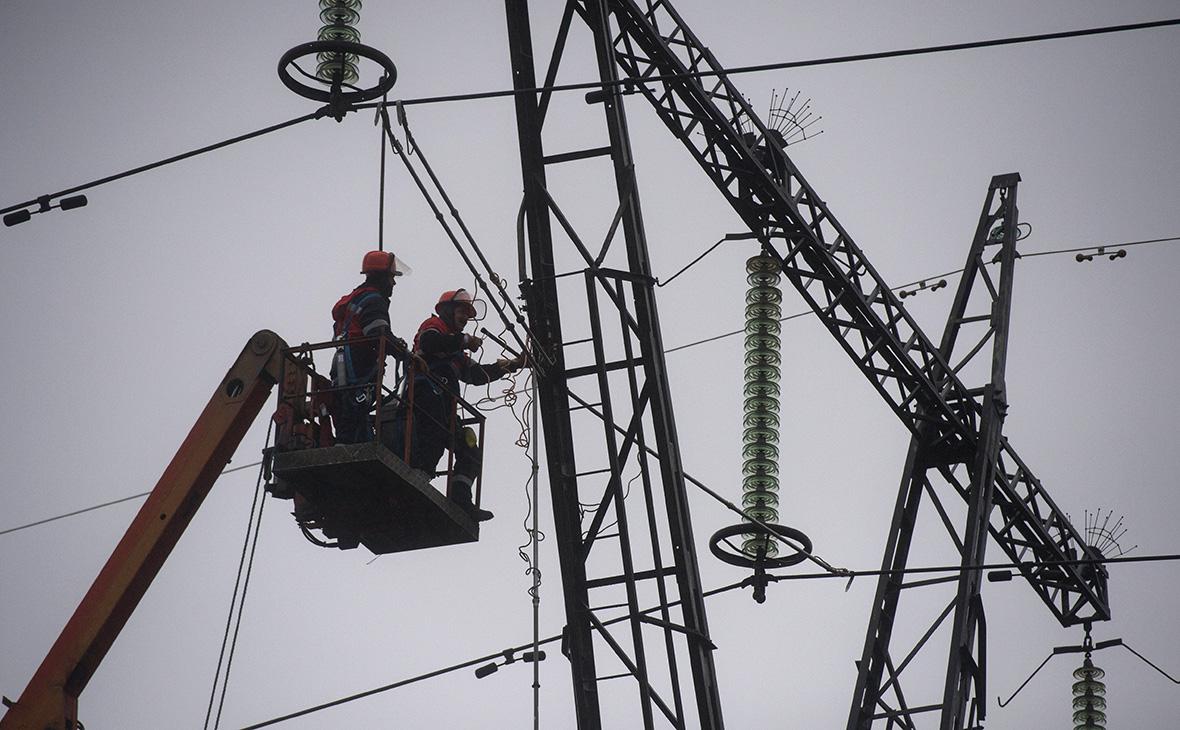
(444, 346)
(364, 312)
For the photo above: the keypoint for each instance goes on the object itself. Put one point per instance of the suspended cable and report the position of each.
(400, 151)
(169, 160)
(707, 594)
(984, 566)
(141, 495)
(797, 315)
(624, 82)
(464, 665)
(692, 263)
(1127, 244)
(238, 600)
(629, 82)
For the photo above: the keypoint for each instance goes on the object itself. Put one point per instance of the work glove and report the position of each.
(471, 342)
(514, 364)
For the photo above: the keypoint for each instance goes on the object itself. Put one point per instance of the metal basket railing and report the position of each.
(309, 403)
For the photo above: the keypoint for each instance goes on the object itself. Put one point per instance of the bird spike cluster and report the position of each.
(761, 421)
(339, 18)
(1089, 697)
(791, 119)
(1105, 537)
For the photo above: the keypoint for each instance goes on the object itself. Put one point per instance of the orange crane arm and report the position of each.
(50, 701)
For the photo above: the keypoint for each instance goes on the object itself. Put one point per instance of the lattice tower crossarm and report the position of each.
(847, 294)
(979, 315)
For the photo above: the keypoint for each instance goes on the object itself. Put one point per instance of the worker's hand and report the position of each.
(514, 364)
(419, 362)
(471, 342)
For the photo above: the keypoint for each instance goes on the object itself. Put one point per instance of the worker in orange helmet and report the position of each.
(363, 312)
(444, 346)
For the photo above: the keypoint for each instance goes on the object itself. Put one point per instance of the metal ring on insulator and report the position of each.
(336, 95)
(794, 540)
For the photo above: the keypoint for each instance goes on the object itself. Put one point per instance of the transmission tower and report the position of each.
(604, 363)
(956, 429)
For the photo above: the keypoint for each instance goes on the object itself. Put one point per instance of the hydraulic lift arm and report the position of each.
(50, 701)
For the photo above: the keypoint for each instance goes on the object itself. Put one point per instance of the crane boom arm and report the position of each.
(50, 701)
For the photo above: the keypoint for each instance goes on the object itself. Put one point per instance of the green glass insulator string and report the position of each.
(1089, 697)
(339, 18)
(761, 420)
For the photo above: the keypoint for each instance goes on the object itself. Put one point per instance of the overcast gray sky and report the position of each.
(119, 320)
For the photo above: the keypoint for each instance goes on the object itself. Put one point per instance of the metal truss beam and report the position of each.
(619, 536)
(979, 315)
(695, 99)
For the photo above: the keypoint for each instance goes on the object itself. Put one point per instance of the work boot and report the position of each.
(462, 497)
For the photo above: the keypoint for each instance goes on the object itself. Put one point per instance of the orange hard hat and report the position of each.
(457, 297)
(376, 262)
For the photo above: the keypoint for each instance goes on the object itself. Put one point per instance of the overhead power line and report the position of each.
(625, 83)
(631, 81)
(106, 504)
(723, 589)
(797, 315)
(168, 160)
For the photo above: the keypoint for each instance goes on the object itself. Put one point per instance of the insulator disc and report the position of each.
(1087, 703)
(764, 295)
(765, 373)
(1080, 689)
(339, 18)
(764, 326)
(760, 450)
(764, 389)
(760, 467)
(763, 513)
(765, 418)
(761, 435)
(339, 33)
(1088, 672)
(1092, 717)
(759, 483)
(764, 357)
(761, 340)
(761, 500)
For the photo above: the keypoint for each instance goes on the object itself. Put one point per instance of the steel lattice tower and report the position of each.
(956, 429)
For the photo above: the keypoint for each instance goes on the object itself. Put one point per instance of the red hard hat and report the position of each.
(458, 297)
(376, 262)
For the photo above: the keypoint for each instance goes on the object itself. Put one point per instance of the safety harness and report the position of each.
(347, 327)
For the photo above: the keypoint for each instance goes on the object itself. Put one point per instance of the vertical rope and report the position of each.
(245, 564)
(536, 591)
(378, 120)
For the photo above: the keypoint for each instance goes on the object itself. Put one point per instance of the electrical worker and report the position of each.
(443, 346)
(363, 312)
